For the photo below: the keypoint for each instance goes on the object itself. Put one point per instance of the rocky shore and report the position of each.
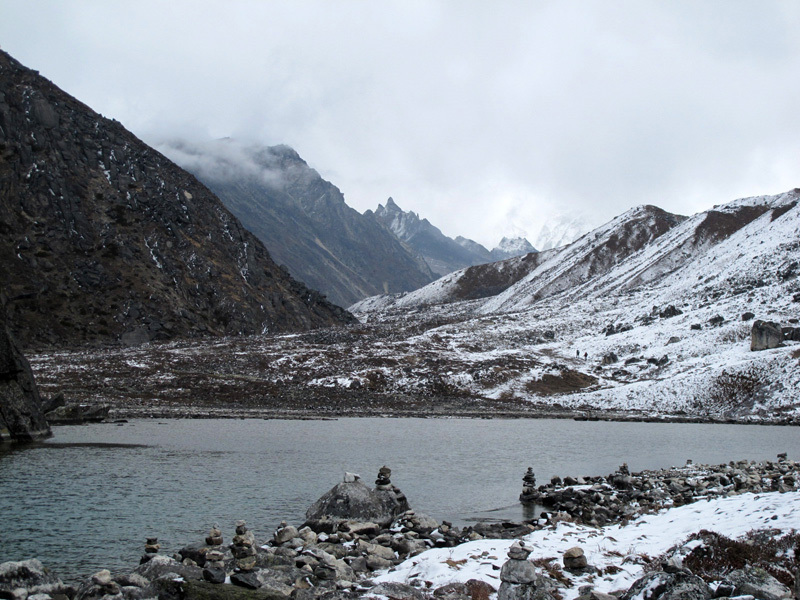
(355, 536)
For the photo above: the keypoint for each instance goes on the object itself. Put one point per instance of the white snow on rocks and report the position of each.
(620, 552)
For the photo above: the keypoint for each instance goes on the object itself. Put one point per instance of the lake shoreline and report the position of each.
(117, 413)
(357, 557)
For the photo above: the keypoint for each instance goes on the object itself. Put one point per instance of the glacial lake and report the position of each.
(87, 498)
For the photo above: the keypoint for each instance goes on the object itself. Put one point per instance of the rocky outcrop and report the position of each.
(21, 415)
(303, 220)
(103, 239)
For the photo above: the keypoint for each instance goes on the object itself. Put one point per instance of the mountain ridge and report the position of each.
(303, 219)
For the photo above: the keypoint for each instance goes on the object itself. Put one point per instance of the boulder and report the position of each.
(609, 359)
(21, 415)
(355, 501)
(668, 586)
(765, 335)
(756, 582)
(29, 575)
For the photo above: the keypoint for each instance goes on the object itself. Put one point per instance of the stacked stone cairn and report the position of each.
(529, 493)
(243, 547)
(384, 482)
(214, 565)
(151, 548)
(520, 579)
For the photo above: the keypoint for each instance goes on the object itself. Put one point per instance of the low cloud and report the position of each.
(464, 112)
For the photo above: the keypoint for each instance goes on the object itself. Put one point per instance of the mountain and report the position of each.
(651, 314)
(510, 247)
(303, 219)
(525, 280)
(560, 230)
(443, 254)
(104, 239)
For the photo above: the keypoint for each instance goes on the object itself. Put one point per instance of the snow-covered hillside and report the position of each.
(650, 312)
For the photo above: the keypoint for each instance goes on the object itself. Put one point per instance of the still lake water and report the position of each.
(88, 498)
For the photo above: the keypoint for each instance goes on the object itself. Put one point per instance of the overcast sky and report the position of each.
(481, 116)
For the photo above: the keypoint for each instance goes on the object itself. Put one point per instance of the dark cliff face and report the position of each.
(103, 239)
(303, 220)
(21, 416)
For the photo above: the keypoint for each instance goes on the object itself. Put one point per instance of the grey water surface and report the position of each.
(88, 498)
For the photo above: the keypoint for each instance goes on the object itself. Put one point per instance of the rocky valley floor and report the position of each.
(554, 360)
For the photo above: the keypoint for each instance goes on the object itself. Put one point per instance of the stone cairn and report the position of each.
(151, 548)
(519, 578)
(383, 482)
(243, 547)
(529, 493)
(214, 566)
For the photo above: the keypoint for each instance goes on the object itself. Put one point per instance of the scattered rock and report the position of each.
(756, 582)
(765, 335)
(668, 586)
(748, 316)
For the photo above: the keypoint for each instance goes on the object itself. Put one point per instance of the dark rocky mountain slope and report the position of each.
(303, 219)
(102, 238)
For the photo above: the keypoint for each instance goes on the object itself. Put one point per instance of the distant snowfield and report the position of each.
(625, 548)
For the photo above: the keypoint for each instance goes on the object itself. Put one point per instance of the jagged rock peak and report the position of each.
(303, 219)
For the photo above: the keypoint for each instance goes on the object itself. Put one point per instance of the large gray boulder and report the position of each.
(30, 575)
(355, 501)
(21, 416)
(661, 585)
(765, 335)
(756, 582)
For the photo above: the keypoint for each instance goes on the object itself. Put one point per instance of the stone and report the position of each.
(355, 501)
(755, 581)
(609, 358)
(515, 591)
(214, 574)
(574, 559)
(517, 551)
(21, 415)
(668, 586)
(518, 571)
(747, 316)
(670, 311)
(351, 477)
(716, 320)
(765, 335)
(285, 533)
(247, 580)
(30, 577)
(397, 591)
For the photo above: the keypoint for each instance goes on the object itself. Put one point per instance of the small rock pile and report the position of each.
(528, 486)
(622, 495)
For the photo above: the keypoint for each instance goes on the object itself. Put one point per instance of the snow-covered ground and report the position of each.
(619, 552)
